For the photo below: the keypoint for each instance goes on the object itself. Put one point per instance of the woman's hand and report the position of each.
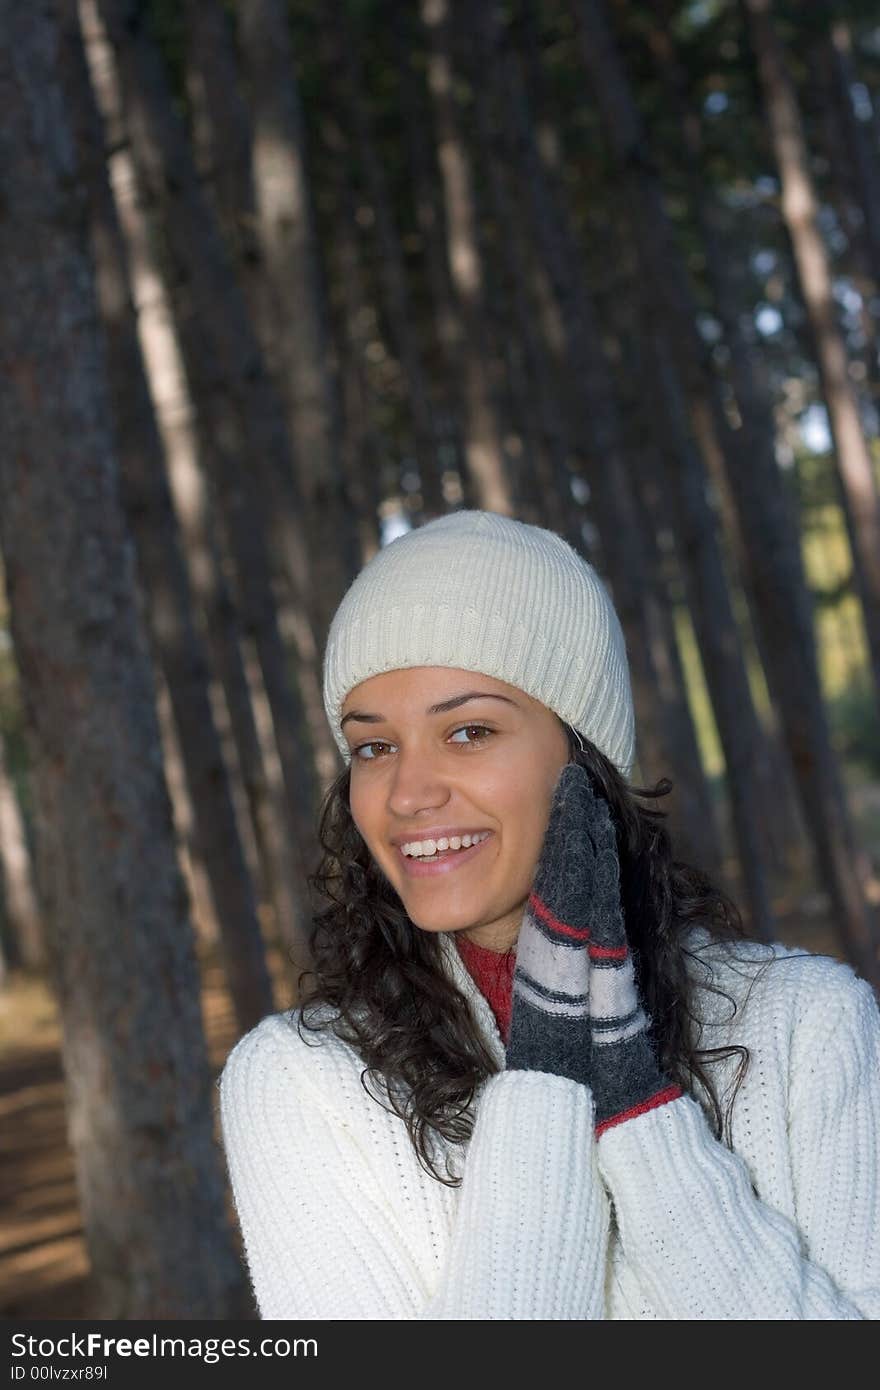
(625, 1075)
(576, 1010)
(550, 1022)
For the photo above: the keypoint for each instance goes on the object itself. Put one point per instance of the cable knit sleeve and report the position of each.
(326, 1226)
(705, 1246)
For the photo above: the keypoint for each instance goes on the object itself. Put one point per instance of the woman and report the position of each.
(589, 1096)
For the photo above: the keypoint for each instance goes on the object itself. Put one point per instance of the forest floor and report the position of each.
(44, 1269)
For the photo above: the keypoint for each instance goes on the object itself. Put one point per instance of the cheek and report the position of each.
(528, 816)
(530, 846)
(523, 817)
(359, 807)
(369, 823)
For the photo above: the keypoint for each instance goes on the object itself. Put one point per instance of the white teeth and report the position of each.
(423, 849)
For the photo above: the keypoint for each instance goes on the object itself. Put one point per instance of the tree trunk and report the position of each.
(592, 395)
(344, 46)
(850, 175)
(371, 467)
(445, 354)
(619, 521)
(783, 605)
(284, 225)
(673, 309)
(306, 580)
(647, 443)
(709, 602)
(139, 1089)
(861, 148)
(202, 913)
(176, 642)
(221, 137)
(187, 448)
(696, 412)
(857, 483)
(224, 370)
(694, 824)
(19, 895)
(542, 481)
(483, 448)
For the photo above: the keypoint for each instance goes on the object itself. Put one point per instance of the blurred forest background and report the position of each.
(281, 280)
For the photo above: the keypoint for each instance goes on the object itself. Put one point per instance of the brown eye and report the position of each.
(468, 728)
(376, 743)
(481, 730)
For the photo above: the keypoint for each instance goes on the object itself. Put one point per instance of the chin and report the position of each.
(439, 924)
(431, 923)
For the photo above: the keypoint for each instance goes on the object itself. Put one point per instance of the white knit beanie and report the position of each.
(478, 591)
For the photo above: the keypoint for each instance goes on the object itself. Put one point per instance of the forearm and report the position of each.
(703, 1245)
(531, 1232)
(330, 1233)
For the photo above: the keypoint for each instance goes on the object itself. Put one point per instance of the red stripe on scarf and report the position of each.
(608, 952)
(543, 911)
(661, 1098)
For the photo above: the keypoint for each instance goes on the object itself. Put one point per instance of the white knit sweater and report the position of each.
(656, 1219)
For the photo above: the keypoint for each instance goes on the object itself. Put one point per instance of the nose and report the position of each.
(416, 784)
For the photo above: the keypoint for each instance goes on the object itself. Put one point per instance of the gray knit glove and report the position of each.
(626, 1076)
(576, 1010)
(550, 1021)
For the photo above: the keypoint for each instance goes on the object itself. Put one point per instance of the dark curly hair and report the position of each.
(393, 1002)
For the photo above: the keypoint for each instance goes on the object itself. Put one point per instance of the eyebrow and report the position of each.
(440, 708)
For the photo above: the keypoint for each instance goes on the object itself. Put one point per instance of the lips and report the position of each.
(445, 863)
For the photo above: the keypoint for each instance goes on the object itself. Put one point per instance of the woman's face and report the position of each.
(426, 760)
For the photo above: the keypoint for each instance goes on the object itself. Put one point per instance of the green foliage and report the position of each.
(855, 725)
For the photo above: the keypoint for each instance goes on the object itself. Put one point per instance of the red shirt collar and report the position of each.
(492, 973)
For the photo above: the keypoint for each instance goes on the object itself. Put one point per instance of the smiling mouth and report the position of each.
(445, 861)
(446, 844)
